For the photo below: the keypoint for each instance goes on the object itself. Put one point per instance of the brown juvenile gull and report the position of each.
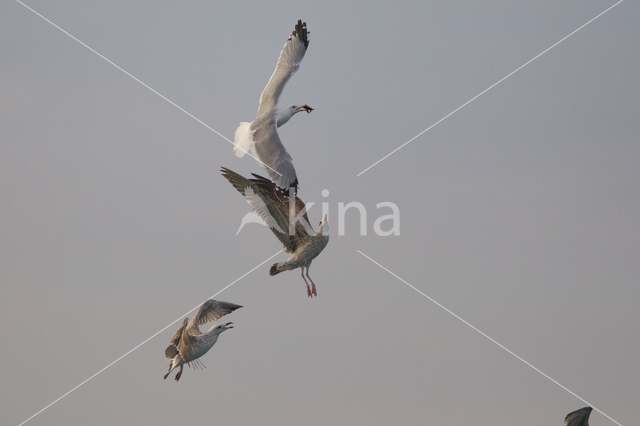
(579, 417)
(260, 136)
(189, 343)
(298, 237)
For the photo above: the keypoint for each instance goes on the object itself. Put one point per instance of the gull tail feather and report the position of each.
(280, 267)
(243, 139)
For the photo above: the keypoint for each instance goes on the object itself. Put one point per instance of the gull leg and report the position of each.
(171, 368)
(305, 281)
(313, 286)
(179, 373)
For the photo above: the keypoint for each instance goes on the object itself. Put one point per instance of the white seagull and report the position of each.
(579, 417)
(292, 228)
(189, 343)
(260, 136)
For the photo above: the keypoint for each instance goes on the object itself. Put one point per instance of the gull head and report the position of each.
(286, 114)
(219, 328)
(323, 228)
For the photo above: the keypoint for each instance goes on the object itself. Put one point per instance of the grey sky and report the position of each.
(519, 213)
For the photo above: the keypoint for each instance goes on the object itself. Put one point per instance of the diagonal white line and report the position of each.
(487, 89)
(179, 318)
(148, 87)
(493, 340)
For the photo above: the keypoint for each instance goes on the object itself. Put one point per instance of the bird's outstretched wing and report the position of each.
(264, 140)
(288, 63)
(273, 156)
(579, 417)
(272, 205)
(172, 349)
(185, 345)
(212, 310)
(283, 197)
(261, 209)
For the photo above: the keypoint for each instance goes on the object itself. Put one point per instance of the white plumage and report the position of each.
(260, 137)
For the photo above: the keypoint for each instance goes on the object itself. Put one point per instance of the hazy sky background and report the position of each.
(520, 212)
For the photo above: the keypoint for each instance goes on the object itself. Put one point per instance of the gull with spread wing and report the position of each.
(260, 137)
(189, 343)
(289, 223)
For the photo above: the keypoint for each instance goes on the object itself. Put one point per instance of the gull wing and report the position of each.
(273, 208)
(283, 197)
(261, 209)
(261, 135)
(288, 63)
(172, 349)
(579, 417)
(185, 345)
(274, 158)
(210, 311)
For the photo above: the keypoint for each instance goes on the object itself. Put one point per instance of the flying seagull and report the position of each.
(292, 227)
(189, 343)
(579, 417)
(261, 136)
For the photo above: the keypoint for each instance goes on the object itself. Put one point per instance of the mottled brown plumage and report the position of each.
(297, 236)
(189, 344)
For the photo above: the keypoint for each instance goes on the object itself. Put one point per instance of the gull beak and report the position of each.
(227, 326)
(306, 108)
